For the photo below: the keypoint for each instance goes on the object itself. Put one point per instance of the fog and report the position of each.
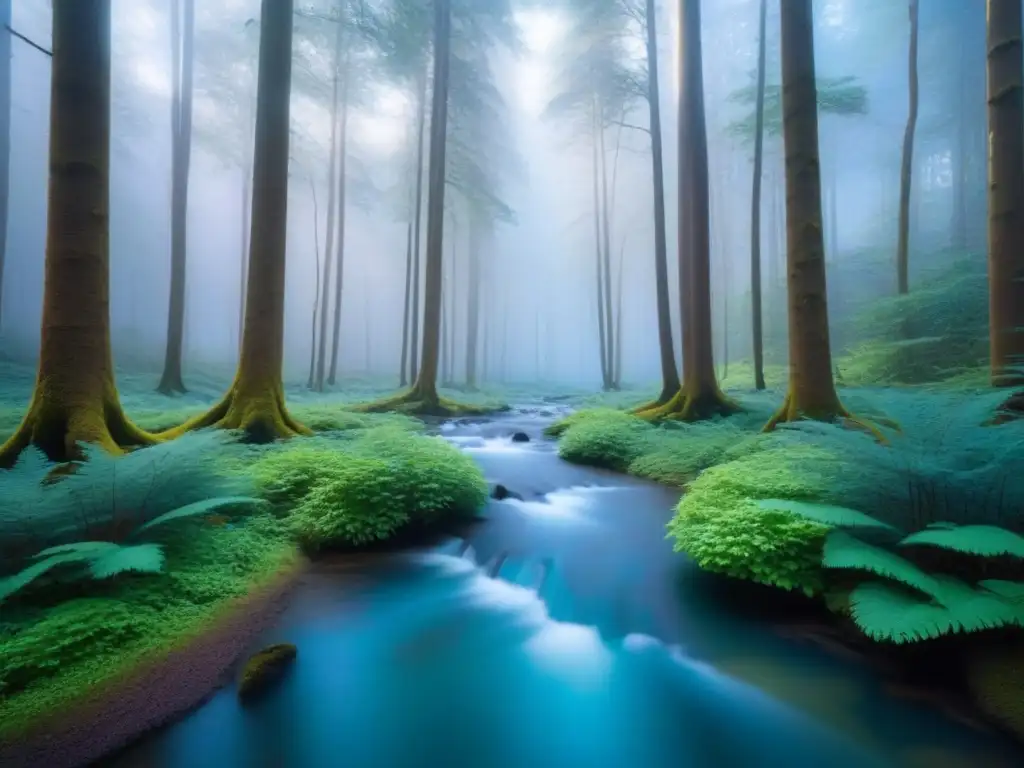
(539, 308)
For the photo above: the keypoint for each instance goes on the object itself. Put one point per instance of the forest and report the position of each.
(507, 382)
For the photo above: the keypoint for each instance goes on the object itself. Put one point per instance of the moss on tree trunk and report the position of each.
(812, 392)
(75, 398)
(700, 396)
(1005, 193)
(255, 401)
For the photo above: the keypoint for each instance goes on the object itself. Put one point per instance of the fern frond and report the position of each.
(138, 558)
(887, 612)
(1008, 590)
(826, 514)
(980, 540)
(844, 551)
(80, 550)
(18, 581)
(203, 507)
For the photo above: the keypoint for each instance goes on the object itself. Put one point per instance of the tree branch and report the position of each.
(622, 124)
(34, 44)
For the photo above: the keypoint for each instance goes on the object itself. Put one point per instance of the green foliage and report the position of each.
(980, 540)
(826, 514)
(368, 487)
(609, 441)
(53, 653)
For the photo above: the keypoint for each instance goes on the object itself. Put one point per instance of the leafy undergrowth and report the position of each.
(107, 562)
(52, 652)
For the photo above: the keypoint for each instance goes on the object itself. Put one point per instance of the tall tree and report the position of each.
(669, 371)
(907, 161)
(5, 137)
(757, 332)
(1006, 193)
(699, 397)
(183, 13)
(332, 196)
(406, 308)
(339, 235)
(75, 397)
(255, 401)
(812, 392)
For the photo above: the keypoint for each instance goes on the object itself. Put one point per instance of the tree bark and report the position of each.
(606, 259)
(617, 372)
(255, 401)
(669, 369)
(699, 397)
(182, 37)
(473, 299)
(424, 390)
(1005, 193)
(907, 162)
(757, 319)
(339, 242)
(75, 397)
(5, 139)
(812, 393)
(403, 380)
(316, 294)
(601, 320)
(243, 271)
(332, 208)
(421, 118)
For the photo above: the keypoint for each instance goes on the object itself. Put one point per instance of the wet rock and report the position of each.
(520, 437)
(265, 668)
(501, 493)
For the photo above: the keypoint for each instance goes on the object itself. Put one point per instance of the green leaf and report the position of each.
(981, 540)
(844, 551)
(140, 558)
(18, 581)
(1009, 590)
(201, 508)
(82, 550)
(889, 613)
(826, 514)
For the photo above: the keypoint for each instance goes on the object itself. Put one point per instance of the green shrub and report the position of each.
(718, 524)
(607, 439)
(369, 487)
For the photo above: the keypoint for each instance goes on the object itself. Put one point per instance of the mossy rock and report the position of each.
(265, 668)
(995, 677)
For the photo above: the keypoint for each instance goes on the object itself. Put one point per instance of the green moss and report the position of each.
(51, 655)
(264, 668)
(995, 678)
(717, 524)
(369, 486)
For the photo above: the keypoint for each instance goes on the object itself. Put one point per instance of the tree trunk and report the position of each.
(1005, 193)
(421, 118)
(757, 319)
(699, 397)
(425, 388)
(182, 36)
(339, 241)
(617, 373)
(606, 258)
(332, 206)
(669, 370)
(812, 392)
(5, 139)
(403, 380)
(907, 163)
(961, 151)
(75, 397)
(243, 271)
(255, 401)
(448, 310)
(601, 320)
(316, 294)
(473, 299)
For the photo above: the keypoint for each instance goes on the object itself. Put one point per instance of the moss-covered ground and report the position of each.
(363, 479)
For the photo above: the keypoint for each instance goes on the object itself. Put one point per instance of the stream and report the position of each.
(554, 635)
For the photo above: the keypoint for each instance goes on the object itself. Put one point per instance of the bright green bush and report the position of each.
(607, 439)
(369, 486)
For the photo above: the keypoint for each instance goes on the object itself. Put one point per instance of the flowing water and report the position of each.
(555, 635)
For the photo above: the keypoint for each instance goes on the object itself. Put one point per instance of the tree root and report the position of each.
(1009, 410)
(57, 430)
(691, 406)
(258, 412)
(788, 412)
(421, 401)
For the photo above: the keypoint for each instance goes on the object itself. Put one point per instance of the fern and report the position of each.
(980, 540)
(826, 514)
(846, 552)
(889, 613)
(204, 507)
(137, 558)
